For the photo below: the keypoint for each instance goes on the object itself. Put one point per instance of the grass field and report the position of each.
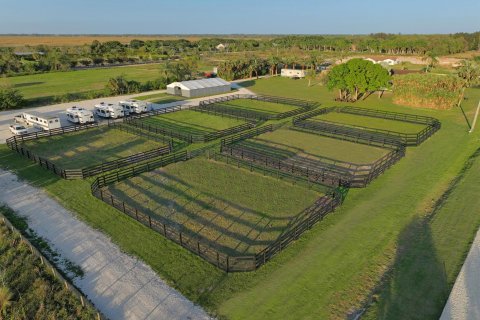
(287, 143)
(234, 210)
(371, 122)
(160, 98)
(192, 122)
(259, 106)
(331, 270)
(46, 85)
(89, 147)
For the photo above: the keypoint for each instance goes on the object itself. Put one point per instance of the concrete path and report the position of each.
(6, 117)
(464, 300)
(120, 286)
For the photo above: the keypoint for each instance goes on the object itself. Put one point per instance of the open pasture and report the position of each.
(258, 106)
(233, 210)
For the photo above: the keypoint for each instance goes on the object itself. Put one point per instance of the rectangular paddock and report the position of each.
(16, 143)
(306, 121)
(205, 249)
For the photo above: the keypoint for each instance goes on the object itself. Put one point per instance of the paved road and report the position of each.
(120, 286)
(464, 300)
(6, 117)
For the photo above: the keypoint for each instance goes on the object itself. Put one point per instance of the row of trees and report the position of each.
(44, 58)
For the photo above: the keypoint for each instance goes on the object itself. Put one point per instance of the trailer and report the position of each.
(38, 120)
(80, 115)
(109, 110)
(134, 106)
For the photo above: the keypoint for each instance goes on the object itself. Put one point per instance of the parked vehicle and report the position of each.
(80, 115)
(134, 106)
(18, 129)
(38, 120)
(109, 110)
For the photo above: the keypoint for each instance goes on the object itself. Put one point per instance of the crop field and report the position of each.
(90, 147)
(285, 143)
(258, 106)
(234, 210)
(191, 122)
(370, 122)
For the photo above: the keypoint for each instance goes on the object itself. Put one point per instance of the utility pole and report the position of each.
(475, 118)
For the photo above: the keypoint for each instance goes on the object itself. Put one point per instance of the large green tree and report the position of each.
(357, 78)
(10, 98)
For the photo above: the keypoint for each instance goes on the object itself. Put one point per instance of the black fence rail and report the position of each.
(215, 106)
(409, 139)
(194, 244)
(246, 135)
(16, 143)
(136, 121)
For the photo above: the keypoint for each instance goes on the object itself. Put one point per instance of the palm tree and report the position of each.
(5, 300)
(469, 72)
(431, 59)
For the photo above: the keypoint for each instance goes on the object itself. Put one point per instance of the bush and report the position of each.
(427, 90)
(10, 98)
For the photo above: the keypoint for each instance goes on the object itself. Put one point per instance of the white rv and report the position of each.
(134, 106)
(39, 120)
(79, 115)
(109, 110)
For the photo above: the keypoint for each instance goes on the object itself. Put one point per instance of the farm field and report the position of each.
(47, 85)
(192, 122)
(89, 147)
(371, 122)
(331, 269)
(287, 143)
(234, 210)
(259, 106)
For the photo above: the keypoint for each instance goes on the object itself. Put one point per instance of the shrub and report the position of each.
(10, 98)
(427, 90)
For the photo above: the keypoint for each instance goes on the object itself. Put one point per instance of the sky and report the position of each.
(238, 17)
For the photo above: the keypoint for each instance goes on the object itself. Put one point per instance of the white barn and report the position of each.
(199, 88)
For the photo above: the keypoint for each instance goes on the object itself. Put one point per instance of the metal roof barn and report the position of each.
(199, 88)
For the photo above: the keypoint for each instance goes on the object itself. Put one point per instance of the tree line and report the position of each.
(47, 58)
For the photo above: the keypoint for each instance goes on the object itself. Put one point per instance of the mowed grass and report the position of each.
(192, 122)
(234, 210)
(57, 83)
(90, 147)
(331, 270)
(371, 122)
(160, 98)
(310, 145)
(259, 106)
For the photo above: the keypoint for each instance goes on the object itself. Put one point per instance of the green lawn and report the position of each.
(90, 147)
(309, 145)
(57, 83)
(235, 210)
(192, 122)
(259, 106)
(160, 98)
(371, 122)
(332, 269)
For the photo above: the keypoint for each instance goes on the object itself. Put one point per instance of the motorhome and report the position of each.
(79, 115)
(134, 106)
(38, 120)
(109, 110)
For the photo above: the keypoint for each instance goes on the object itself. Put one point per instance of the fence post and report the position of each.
(150, 221)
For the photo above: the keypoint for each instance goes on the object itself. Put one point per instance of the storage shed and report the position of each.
(198, 88)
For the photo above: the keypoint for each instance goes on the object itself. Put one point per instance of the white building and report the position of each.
(388, 62)
(199, 88)
(292, 73)
(221, 46)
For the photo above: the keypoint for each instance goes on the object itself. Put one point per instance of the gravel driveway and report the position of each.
(120, 286)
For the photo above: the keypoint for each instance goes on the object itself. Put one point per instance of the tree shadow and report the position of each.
(416, 273)
(247, 84)
(27, 84)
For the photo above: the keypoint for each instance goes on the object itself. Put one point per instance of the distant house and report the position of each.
(221, 46)
(385, 62)
(292, 73)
